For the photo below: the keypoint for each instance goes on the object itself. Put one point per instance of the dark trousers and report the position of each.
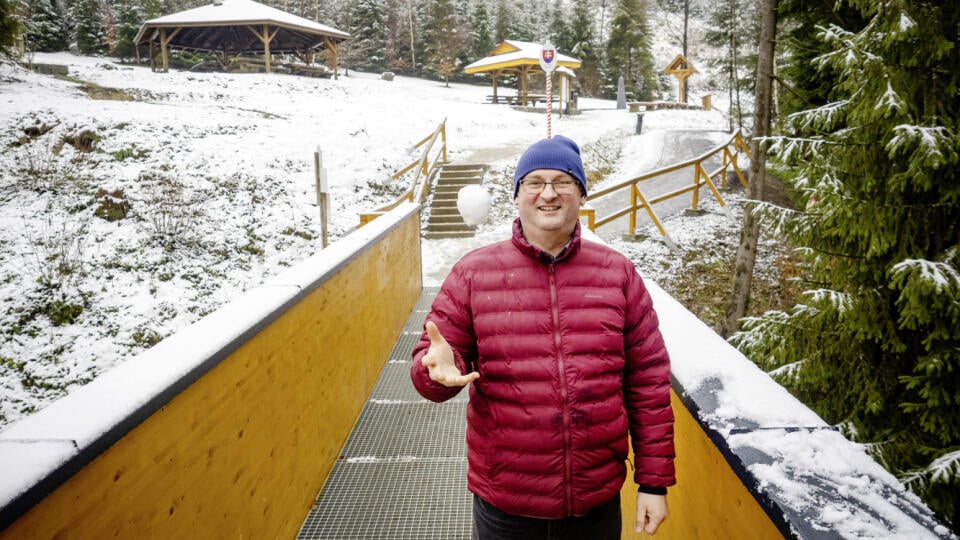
(491, 523)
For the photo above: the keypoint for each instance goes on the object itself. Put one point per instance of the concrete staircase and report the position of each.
(445, 220)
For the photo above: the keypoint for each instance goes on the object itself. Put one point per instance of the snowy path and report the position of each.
(678, 146)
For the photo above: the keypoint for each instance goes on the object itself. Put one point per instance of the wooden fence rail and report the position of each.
(424, 167)
(729, 153)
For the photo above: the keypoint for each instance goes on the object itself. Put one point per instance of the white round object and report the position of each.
(473, 203)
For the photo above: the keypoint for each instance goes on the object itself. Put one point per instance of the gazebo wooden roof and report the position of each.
(516, 56)
(520, 57)
(233, 27)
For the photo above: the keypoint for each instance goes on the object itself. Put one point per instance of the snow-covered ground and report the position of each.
(215, 174)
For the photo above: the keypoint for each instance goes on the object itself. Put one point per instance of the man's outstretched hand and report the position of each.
(439, 361)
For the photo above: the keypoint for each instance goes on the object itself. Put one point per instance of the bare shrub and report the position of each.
(43, 170)
(171, 213)
(84, 140)
(59, 252)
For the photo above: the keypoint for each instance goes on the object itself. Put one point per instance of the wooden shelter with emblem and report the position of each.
(521, 58)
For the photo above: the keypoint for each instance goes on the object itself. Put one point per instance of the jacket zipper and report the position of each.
(567, 435)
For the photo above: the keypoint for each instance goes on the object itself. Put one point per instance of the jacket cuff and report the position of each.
(650, 490)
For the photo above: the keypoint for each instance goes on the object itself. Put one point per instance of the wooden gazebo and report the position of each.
(229, 28)
(521, 58)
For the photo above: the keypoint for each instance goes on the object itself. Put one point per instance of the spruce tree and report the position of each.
(584, 47)
(45, 30)
(733, 27)
(810, 87)
(417, 13)
(129, 19)
(445, 40)
(628, 52)
(503, 22)
(89, 30)
(153, 9)
(397, 38)
(8, 26)
(874, 344)
(559, 29)
(368, 32)
(481, 31)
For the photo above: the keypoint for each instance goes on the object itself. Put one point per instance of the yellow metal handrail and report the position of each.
(730, 152)
(424, 166)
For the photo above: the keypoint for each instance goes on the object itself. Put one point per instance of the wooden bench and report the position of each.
(641, 106)
(309, 70)
(533, 99)
(509, 100)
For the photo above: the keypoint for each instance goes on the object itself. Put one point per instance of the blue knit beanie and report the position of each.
(558, 153)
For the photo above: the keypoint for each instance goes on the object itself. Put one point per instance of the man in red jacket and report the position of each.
(560, 341)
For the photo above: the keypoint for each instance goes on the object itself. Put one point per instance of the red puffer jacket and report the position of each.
(570, 356)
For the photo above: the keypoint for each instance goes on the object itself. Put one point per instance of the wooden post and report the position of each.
(332, 47)
(443, 134)
(266, 48)
(165, 60)
(164, 45)
(322, 201)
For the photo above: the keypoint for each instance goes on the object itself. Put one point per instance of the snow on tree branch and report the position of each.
(942, 276)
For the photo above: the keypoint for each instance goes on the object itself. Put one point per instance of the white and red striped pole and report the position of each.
(548, 61)
(549, 103)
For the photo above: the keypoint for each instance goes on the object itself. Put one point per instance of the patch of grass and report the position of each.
(31, 381)
(192, 277)
(81, 206)
(131, 152)
(12, 365)
(106, 93)
(71, 78)
(146, 337)
(290, 231)
(61, 313)
(112, 206)
(251, 248)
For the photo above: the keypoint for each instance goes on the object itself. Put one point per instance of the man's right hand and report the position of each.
(439, 361)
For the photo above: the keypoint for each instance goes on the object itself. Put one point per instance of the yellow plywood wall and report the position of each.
(709, 500)
(243, 452)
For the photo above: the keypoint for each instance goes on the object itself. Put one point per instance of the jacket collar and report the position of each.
(525, 247)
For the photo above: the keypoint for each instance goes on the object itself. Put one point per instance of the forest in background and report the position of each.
(436, 38)
(864, 131)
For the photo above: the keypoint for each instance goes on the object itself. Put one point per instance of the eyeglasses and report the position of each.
(560, 187)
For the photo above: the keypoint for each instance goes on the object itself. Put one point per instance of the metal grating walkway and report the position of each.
(402, 472)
